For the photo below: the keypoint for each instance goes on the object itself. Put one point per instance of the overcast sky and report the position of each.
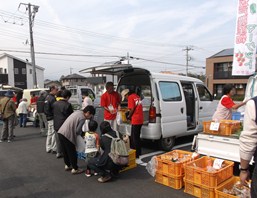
(156, 30)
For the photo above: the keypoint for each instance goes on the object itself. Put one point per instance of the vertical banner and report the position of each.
(245, 38)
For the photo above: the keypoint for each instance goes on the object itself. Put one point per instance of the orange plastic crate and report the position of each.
(174, 169)
(173, 182)
(196, 173)
(132, 160)
(226, 185)
(227, 127)
(198, 190)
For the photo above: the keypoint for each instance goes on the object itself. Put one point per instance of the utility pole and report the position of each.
(71, 70)
(32, 52)
(188, 58)
(128, 57)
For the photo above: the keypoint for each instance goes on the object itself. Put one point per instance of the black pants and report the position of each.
(254, 182)
(135, 142)
(69, 152)
(105, 170)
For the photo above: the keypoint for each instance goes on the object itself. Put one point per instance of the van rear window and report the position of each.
(170, 91)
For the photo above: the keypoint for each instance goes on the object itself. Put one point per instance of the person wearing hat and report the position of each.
(7, 108)
(136, 116)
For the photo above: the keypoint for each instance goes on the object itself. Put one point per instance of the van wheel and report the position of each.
(166, 144)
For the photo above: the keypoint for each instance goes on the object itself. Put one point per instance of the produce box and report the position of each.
(123, 116)
(227, 127)
(167, 165)
(197, 172)
(173, 182)
(199, 190)
(132, 160)
(228, 189)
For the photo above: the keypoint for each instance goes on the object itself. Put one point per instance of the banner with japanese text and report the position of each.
(245, 39)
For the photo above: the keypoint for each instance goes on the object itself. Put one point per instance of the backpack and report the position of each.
(119, 153)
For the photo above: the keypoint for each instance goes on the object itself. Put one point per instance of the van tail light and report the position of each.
(152, 114)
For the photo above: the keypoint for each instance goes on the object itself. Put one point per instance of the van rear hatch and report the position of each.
(137, 80)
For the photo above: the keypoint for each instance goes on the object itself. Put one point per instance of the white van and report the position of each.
(77, 92)
(28, 92)
(173, 105)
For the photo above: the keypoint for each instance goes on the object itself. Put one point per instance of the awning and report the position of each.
(108, 69)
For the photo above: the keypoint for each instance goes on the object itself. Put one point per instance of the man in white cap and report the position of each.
(7, 109)
(137, 118)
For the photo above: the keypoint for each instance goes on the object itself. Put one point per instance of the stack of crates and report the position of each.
(201, 183)
(171, 173)
(132, 160)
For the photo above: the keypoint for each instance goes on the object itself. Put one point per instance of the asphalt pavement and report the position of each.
(27, 171)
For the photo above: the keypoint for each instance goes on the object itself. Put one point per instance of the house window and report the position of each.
(16, 71)
(5, 71)
(23, 70)
(30, 71)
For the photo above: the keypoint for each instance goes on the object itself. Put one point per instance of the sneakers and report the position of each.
(67, 168)
(75, 172)
(59, 155)
(104, 179)
(88, 174)
(95, 173)
(9, 141)
(1, 141)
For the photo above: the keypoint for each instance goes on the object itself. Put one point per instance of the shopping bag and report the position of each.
(119, 118)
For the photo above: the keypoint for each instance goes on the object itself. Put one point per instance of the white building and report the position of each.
(18, 73)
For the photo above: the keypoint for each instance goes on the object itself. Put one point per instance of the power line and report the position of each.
(61, 54)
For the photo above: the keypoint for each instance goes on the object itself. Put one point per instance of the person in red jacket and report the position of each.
(110, 101)
(135, 108)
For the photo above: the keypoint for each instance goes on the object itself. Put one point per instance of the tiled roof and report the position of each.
(74, 76)
(225, 52)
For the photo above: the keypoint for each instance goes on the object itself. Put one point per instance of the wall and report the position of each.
(210, 72)
(39, 76)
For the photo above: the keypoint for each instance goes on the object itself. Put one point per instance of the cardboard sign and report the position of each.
(217, 164)
(214, 126)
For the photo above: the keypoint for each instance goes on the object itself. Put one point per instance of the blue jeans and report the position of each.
(23, 119)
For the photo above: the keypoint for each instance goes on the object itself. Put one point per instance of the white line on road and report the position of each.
(141, 163)
(182, 145)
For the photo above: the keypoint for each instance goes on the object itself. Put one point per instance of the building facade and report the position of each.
(219, 73)
(73, 79)
(18, 73)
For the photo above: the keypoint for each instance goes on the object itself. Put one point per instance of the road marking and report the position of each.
(182, 145)
(141, 163)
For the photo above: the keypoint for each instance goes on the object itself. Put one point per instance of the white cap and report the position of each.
(124, 93)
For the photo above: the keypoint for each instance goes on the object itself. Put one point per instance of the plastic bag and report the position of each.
(119, 118)
(80, 147)
(152, 166)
